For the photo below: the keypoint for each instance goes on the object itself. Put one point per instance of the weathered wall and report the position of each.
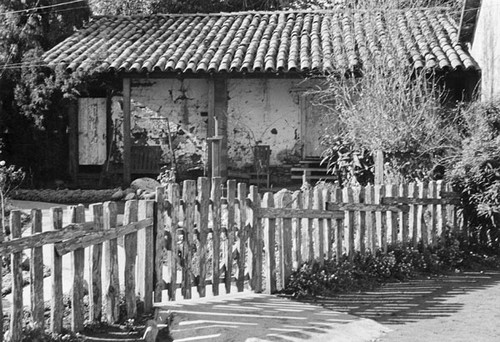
(260, 111)
(264, 111)
(486, 48)
(160, 104)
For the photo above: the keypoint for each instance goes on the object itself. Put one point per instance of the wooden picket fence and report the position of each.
(206, 233)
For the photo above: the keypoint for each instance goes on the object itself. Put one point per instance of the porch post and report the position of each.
(73, 141)
(126, 131)
(217, 112)
(221, 115)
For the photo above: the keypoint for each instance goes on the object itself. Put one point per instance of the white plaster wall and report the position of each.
(264, 111)
(486, 48)
(154, 101)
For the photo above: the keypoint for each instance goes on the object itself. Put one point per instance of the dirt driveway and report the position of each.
(460, 307)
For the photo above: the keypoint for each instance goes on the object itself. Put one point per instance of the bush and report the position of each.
(476, 175)
(367, 271)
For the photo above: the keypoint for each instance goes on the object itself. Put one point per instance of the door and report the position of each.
(313, 124)
(92, 131)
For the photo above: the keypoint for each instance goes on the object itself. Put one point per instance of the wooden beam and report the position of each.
(210, 123)
(73, 140)
(127, 142)
(379, 167)
(220, 108)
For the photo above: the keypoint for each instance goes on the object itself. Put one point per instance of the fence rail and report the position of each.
(207, 234)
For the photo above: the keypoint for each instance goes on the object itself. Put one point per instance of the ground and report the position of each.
(460, 307)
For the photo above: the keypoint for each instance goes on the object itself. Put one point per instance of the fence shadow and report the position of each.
(256, 317)
(419, 299)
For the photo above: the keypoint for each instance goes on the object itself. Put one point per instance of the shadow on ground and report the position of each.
(398, 303)
(257, 317)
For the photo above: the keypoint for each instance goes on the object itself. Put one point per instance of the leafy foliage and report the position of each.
(131, 7)
(391, 108)
(33, 121)
(346, 162)
(367, 271)
(477, 172)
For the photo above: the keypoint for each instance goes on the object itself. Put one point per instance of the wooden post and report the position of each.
(231, 196)
(203, 209)
(269, 245)
(73, 141)
(404, 216)
(433, 213)
(339, 227)
(441, 209)
(285, 245)
(370, 220)
(307, 249)
(379, 167)
(159, 238)
(130, 246)
(348, 197)
(392, 218)
(381, 219)
(297, 231)
(216, 195)
(95, 279)
(173, 196)
(242, 235)
(318, 233)
(36, 273)
(111, 275)
(145, 257)
(412, 219)
(220, 107)
(127, 142)
(189, 198)
(328, 226)
(256, 242)
(77, 215)
(421, 225)
(211, 123)
(16, 318)
(361, 238)
(57, 306)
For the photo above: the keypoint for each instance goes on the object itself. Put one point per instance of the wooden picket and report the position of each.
(254, 241)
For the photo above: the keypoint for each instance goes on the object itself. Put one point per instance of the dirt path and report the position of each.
(461, 307)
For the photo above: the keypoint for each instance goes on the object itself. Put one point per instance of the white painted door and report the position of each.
(92, 131)
(313, 126)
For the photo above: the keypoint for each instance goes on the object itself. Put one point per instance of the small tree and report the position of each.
(389, 106)
(476, 173)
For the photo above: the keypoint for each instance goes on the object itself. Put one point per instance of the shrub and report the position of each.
(400, 263)
(476, 174)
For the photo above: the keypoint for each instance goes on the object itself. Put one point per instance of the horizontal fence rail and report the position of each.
(207, 237)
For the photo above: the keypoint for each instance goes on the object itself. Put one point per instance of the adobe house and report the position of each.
(479, 29)
(245, 73)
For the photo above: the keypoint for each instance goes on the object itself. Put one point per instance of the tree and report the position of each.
(32, 117)
(391, 107)
(130, 7)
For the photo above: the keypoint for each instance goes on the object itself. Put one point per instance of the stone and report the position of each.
(148, 195)
(151, 331)
(129, 196)
(118, 195)
(145, 183)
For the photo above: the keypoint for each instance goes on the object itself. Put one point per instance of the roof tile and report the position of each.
(246, 42)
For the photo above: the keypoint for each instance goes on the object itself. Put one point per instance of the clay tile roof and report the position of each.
(268, 42)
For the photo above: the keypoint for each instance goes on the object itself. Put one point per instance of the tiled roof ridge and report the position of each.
(293, 41)
(254, 12)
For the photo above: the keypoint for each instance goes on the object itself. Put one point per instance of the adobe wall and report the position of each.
(264, 111)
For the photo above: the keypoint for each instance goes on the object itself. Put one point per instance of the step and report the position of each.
(314, 177)
(311, 169)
